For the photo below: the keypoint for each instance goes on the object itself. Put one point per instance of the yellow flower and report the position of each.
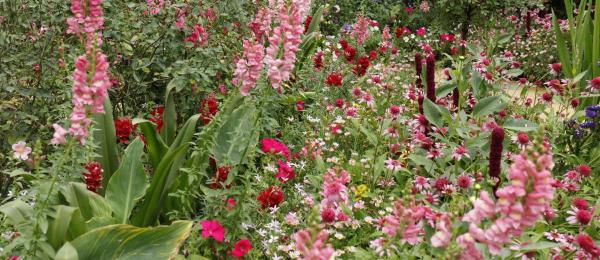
(361, 190)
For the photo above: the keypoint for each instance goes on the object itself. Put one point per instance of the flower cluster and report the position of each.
(519, 205)
(93, 176)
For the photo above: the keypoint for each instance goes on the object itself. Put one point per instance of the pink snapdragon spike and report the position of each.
(249, 68)
(285, 39)
(59, 136)
(91, 76)
(360, 30)
(335, 192)
(519, 206)
(213, 228)
(313, 249)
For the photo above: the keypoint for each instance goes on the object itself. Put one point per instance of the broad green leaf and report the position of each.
(235, 135)
(126, 242)
(89, 203)
(59, 224)
(67, 252)
(106, 137)
(432, 112)
(128, 184)
(513, 73)
(520, 124)
(488, 106)
(444, 89)
(154, 143)
(17, 211)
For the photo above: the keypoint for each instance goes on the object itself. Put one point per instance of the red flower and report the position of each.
(362, 65)
(307, 23)
(123, 129)
(93, 177)
(373, 55)
(335, 79)
(584, 216)
(587, 243)
(157, 117)
(430, 77)
(328, 215)
(271, 197)
(209, 108)
(285, 172)
(300, 105)
(241, 248)
(213, 228)
(580, 203)
(496, 154)
(221, 177)
(318, 60)
(273, 146)
(584, 169)
(198, 36)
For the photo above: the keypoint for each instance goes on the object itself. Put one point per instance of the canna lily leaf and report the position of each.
(128, 184)
(126, 242)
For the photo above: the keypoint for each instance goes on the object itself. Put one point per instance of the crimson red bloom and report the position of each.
(587, 243)
(241, 248)
(335, 79)
(273, 146)
(318, 60)
(93, 177)
(209, 108)
(271, 197)
(213, 228)
(307, 23)
(300, 105)
(362, 65)
(157, 117)
(496, 154)
(580, 203)
(584, 169)
(285, 172)
(123, 128)
(328, 215)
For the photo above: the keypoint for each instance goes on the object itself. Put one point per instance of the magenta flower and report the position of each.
(241, 248)
(213, 228)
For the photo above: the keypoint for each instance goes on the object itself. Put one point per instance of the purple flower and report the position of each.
(588, 125)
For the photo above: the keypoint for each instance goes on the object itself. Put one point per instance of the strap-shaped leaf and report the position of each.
(126, 242)
(154, 143)
(65, 223)
(596, 42)
(164, 175)
(170, 114)
(128, 184)
(561, 46)
(106, 136)
(66, 252)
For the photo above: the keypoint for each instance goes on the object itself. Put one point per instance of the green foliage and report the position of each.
(129, 242)
(106, 136)
(128, 184)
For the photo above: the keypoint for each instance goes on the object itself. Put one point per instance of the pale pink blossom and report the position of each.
(21, 150)
(59, 136)
(360, 30)
(313, 249)
(249, 68)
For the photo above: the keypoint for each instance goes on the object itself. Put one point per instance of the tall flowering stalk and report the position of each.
(496, 148)
(248, 69)
(419, 69)
(335, 195)
(430, 77)
(519, 206)
(360, 30)
(90, 78)
(284, 42)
